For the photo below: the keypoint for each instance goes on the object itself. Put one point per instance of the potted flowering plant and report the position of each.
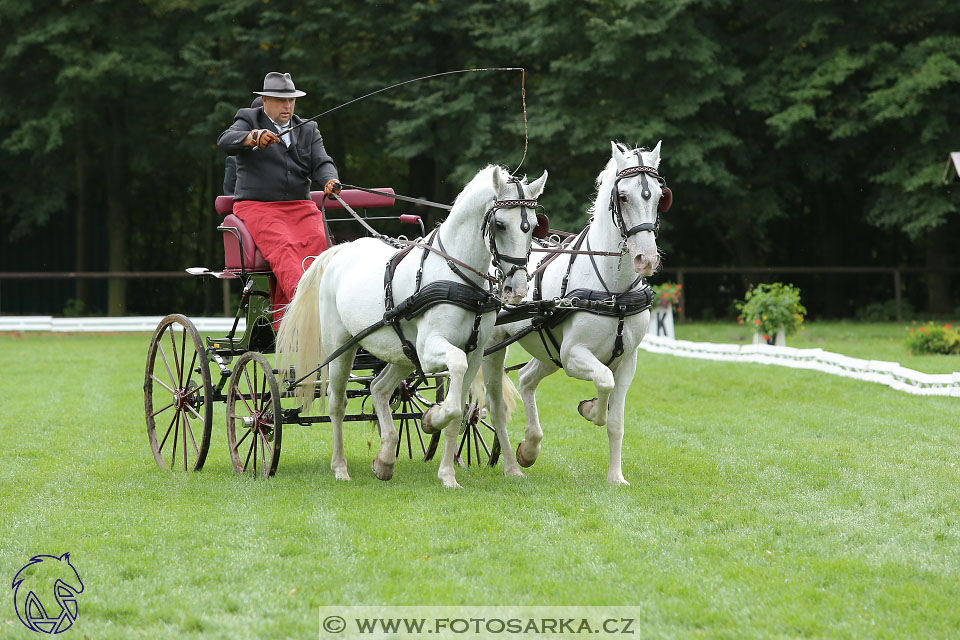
(933, 338)
(669, 294)
(773, 310)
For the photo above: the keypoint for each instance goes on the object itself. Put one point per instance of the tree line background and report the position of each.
(808, 132)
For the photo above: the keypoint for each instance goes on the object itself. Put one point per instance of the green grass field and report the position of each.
(765, 502)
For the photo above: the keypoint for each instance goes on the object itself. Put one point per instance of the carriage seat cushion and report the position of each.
(253, 260)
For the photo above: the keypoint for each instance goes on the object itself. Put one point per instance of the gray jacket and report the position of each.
(277, 172)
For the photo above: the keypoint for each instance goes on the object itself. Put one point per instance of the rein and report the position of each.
(517, 263)
(498, 258)
(414, 243)
(446, 207)
(426, 203)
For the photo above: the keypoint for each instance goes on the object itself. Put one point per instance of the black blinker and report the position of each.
(543, 226)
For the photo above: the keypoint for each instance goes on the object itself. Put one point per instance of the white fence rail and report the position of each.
(107, 325)
(887, 373)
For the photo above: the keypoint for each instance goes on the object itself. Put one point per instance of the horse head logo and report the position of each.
(41, 576)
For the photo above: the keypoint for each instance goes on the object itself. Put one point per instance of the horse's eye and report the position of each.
(500, 226)
(623, 197)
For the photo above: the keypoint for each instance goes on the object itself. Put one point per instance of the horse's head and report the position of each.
(509, 226)
(638, 194)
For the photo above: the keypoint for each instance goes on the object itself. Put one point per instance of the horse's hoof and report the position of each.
(618, 480)
(450, 483)
(382, 471)
(513, 472)
(426, 423)
(341, 475)
(586, 407)
(523, 462)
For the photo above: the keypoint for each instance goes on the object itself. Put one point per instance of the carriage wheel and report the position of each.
(254, 417)
(411, 398)
(177, 395)
(475, 431)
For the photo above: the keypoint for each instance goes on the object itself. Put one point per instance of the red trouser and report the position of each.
(286, 233)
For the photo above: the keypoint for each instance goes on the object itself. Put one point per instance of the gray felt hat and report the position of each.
(279, 85)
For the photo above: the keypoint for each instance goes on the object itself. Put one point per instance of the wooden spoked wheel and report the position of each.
(254, 417)
(177, 395)
(409, 403)
(475, 434)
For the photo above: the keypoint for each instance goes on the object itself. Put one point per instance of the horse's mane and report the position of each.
(608, 171)
(483, 178)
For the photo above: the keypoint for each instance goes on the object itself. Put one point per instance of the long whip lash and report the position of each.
(523, 97)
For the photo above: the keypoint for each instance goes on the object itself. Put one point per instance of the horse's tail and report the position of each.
(511, 396)
(299, 340)
(508, 391)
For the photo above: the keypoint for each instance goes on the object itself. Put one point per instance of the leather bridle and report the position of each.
(516, 263)
(616, 211)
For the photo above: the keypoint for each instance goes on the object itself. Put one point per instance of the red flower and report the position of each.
(766, 337)
(947, 326)
(756, 321)
(739, 320)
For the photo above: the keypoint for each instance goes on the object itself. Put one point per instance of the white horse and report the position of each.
(624, 219)
(343, 292)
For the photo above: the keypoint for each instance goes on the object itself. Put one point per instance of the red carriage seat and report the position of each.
(236, 235)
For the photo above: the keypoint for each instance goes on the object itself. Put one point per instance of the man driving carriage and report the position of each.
(272, 195)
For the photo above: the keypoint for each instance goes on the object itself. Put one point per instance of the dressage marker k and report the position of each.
(40, 578)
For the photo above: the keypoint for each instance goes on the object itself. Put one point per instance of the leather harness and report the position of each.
(546, 315)
(469, 296)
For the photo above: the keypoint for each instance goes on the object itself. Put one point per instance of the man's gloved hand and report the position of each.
(261, 138)
(332, 187)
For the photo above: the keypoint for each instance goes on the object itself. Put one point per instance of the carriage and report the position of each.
(188, 374)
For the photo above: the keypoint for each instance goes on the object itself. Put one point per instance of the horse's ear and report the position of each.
(536, 187)
(654, 159)
(618, 155)
(498, 181)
